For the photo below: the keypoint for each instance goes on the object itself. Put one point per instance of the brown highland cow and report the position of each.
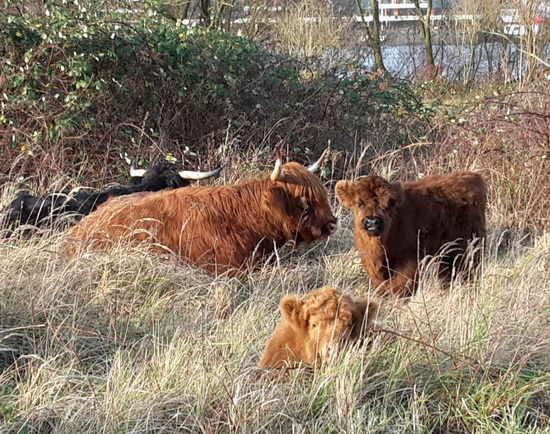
(314, 326)
(398, 224)
(221, 228)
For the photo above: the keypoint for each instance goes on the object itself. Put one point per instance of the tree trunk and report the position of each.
(373, 35)
(532, 52)
(431, 69)
(471, 63)
(204, 6)
(376, 44)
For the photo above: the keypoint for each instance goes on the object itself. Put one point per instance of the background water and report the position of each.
(456, 61)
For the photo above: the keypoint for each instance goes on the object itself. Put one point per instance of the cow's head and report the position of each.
(373, 200)
(318, 324)
(167, 175)
(297, 200)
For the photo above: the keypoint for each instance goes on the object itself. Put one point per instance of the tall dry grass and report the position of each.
(124, 342)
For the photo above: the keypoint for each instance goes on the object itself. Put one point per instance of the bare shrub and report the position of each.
(470, 37)
(498, 40)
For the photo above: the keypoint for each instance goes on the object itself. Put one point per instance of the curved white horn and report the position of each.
(315, 166)
(136, 173)
(278, 174)
(188, 174)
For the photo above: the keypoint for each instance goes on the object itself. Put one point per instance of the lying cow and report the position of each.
(51, 209)
(397, 224)
(314, 326)
(218, 228)
(166, 175)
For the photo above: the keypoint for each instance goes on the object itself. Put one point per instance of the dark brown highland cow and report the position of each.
(398, 224)
(217, 228)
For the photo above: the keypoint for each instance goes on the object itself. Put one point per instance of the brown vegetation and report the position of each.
(501, 132)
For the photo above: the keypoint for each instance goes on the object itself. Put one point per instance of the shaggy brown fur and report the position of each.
(314, 326)
(216, 228)
(397, 224)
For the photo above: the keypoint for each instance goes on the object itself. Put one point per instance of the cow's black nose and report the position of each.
(373, 224)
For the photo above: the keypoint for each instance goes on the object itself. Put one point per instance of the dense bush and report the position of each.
(82, 84)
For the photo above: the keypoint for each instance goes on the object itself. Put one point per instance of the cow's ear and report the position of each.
(277, 199)
(345, 193)
(368, 311)
(291, 308)
(397, 193)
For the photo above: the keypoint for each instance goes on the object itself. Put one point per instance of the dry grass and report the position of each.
(123, 342)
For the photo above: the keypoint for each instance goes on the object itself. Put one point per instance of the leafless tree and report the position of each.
(425, 28)
(309, 32)
(372, 32)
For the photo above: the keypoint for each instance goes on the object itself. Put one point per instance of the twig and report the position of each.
(412, 145)
(452, 356)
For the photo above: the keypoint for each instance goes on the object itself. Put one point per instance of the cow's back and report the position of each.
(114, 220)
(447, 208)
(455, 190)
(206, 226)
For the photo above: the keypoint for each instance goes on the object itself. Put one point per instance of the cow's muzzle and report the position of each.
(330, 228)
(374, 225)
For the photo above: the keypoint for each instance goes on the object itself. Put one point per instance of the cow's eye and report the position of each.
(313, 325)
(360, 204)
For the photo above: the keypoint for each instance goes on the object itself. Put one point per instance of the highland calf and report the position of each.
(398, 224)
(315, 326)
(217, 228)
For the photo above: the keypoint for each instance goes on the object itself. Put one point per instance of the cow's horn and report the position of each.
(278, 174)
(315, 166)
(188, 174)
(136, 173)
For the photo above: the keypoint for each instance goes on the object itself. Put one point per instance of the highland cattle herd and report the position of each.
(234, 228)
